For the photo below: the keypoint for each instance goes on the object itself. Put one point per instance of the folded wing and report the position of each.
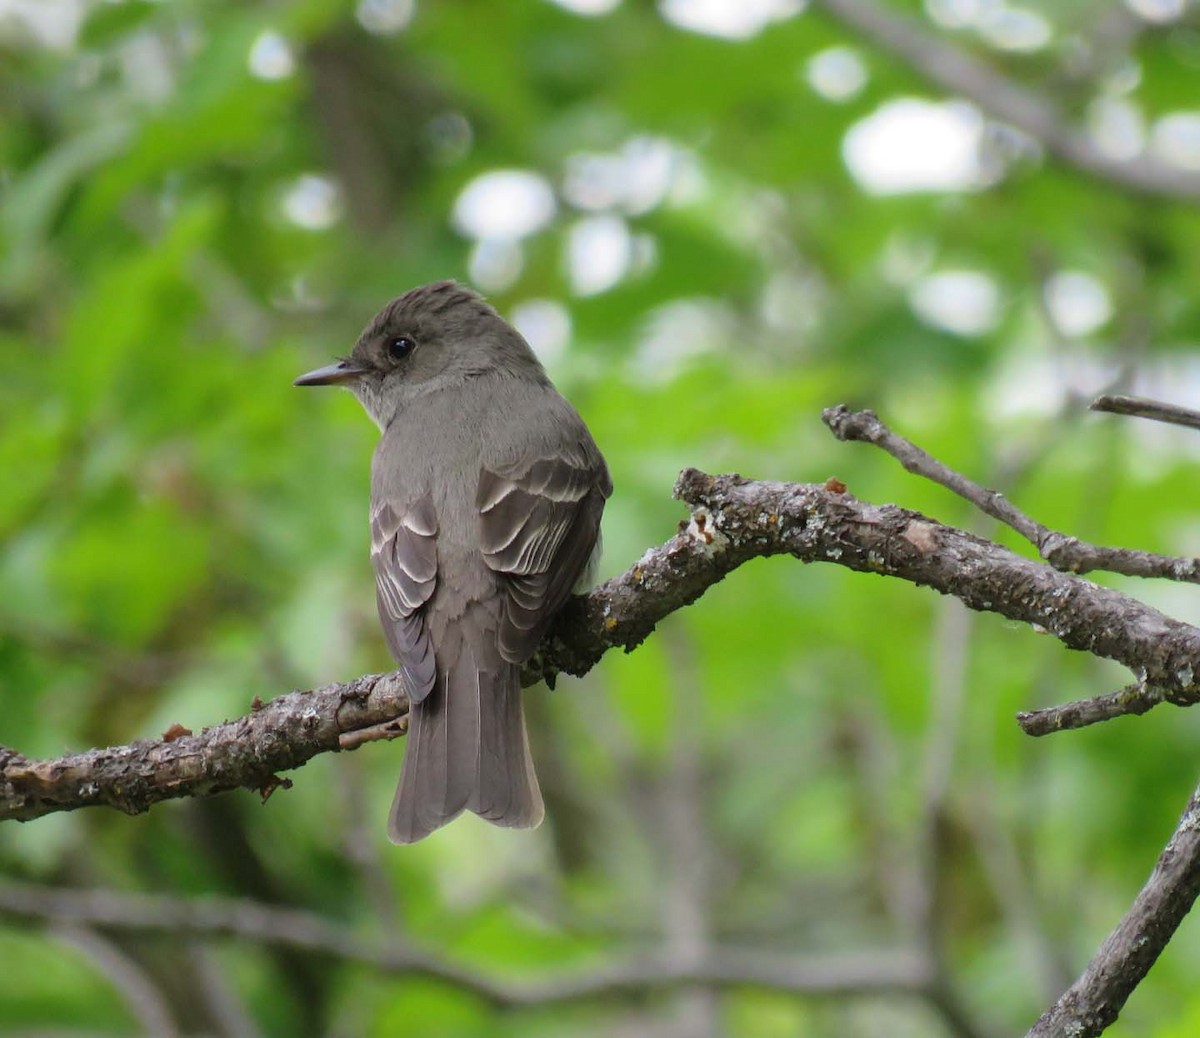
(404, 554)
(539, 524)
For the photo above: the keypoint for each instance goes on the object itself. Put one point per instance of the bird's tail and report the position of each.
(467, 747)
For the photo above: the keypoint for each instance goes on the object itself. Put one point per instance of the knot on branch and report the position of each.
(849, 425)
(694, 487)
(1063, 552)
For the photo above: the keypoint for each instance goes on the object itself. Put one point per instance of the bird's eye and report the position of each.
(400, 347)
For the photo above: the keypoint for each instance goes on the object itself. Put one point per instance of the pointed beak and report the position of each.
(331, 374)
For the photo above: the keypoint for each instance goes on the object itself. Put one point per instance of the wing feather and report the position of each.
(404, 554)
(538, 527)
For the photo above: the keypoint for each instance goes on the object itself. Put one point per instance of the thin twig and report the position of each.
(385, 731)
(865, 426)
(1135, 698)
(1061, 550)
(1155, 410)
(1092, 1003)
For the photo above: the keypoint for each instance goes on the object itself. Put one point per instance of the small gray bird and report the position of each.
(486, 495)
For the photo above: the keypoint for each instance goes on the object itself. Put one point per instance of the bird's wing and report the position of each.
(404, 554)
(539, 522)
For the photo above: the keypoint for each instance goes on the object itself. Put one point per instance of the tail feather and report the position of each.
(506, 791)
(467, 749)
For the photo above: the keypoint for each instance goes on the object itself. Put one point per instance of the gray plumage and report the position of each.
(486, 495)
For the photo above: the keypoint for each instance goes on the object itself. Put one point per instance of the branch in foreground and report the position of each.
(858, 973)
(283, 734)
(733, 520)
(1059, 549)
(962, 73)
(1092, 1003)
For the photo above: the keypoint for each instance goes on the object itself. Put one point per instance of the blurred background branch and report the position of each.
(68, 911)
(962, 73)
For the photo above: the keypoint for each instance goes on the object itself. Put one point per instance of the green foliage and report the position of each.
(181, 530)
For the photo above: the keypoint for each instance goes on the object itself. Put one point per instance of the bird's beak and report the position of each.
(331, 374)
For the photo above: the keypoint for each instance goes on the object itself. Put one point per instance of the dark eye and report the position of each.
(400, 347)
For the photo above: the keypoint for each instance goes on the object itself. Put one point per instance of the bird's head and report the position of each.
(431, 338)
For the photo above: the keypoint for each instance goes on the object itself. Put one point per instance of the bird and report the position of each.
(487, 491)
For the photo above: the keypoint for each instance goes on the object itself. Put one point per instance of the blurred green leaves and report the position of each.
(181, 530)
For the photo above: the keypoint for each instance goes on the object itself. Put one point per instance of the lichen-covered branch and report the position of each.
(733, 520)
(246, 753)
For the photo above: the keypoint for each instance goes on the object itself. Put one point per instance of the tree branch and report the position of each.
(733, 520)
(1092, 1003)
(962, 73)
(246, 753)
